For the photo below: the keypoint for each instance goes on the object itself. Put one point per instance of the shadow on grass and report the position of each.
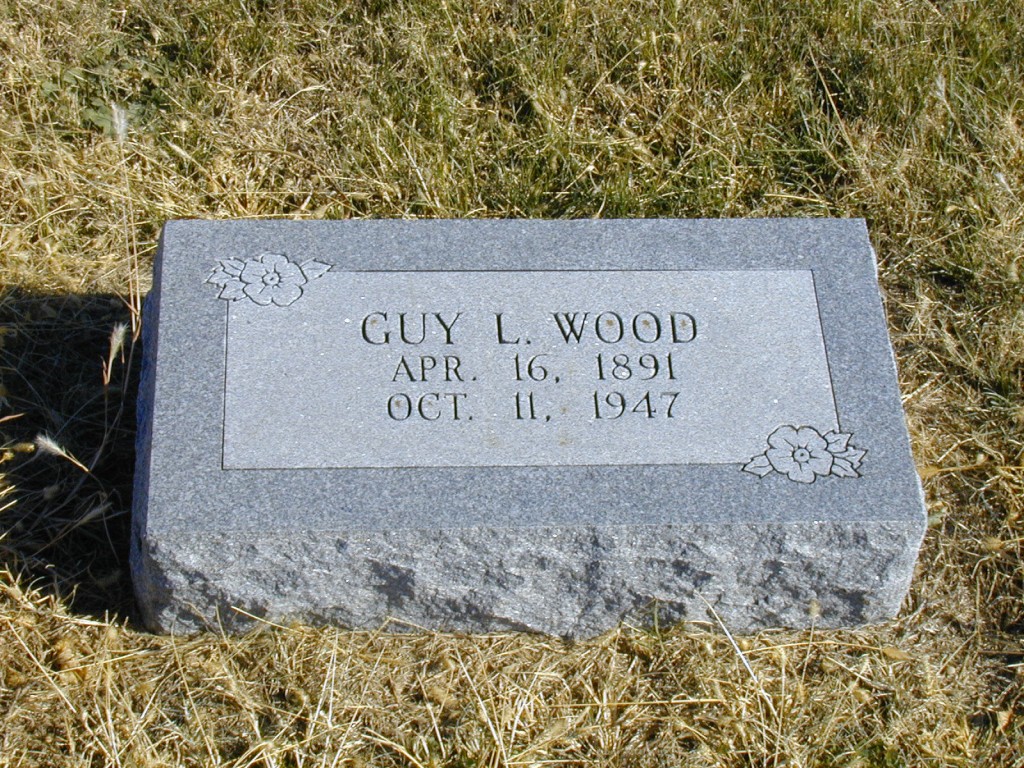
(65, 500)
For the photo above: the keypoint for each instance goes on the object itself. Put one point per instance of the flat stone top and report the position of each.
(375, 375)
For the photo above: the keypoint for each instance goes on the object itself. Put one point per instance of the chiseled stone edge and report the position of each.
(143, 443)
(573, 582)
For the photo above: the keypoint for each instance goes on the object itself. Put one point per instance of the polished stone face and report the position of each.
(541, 425)
(524, 368)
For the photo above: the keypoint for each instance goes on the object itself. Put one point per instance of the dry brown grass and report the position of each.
(113, 119)
(887, 696)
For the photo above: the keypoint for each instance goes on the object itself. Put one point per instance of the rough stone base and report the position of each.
(573, 582)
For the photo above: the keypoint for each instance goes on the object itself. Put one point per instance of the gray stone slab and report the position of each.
(535, 425)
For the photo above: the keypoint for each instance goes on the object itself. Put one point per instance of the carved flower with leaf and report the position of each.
(270, 278)
(803, 454)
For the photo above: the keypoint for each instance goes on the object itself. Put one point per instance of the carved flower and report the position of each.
(270, 278)
(799, 453)
(803, 454)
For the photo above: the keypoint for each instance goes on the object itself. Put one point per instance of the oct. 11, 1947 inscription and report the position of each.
(506, 424)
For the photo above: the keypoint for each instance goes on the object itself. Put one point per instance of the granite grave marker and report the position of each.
(535, 425)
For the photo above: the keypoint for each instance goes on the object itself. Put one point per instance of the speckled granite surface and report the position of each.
(292, 466)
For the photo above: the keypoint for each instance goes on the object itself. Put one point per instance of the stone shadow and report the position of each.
(65, 519)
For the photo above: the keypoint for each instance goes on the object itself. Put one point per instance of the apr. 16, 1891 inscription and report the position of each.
(542, 425)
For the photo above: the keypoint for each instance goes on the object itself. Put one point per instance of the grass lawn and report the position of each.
(115, 118)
